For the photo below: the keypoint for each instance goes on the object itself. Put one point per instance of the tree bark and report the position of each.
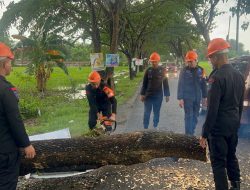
(125, 149)
(41, 77)
(204, 21)
(96, 38)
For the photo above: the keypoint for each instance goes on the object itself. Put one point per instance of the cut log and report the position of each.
(121, 149)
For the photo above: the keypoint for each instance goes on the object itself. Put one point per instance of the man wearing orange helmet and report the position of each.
(101, 99)
(12, 132)
(225, 104)
(191, 88)
(155, 85)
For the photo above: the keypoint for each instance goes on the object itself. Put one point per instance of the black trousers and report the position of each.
(105, 110)
(9, 170)
(223, 159)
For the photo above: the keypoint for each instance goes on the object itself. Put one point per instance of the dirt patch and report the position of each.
(30, 122)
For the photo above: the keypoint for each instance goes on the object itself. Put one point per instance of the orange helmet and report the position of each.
(154, 57)
(217, 45)
(94, 76)
(191, 56)
(5, 51)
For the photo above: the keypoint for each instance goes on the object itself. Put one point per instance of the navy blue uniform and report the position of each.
(155, 85)
(101, 100)
(225, 104)
(12, 135)
(191, 88)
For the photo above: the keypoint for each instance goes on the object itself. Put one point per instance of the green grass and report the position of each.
(58, 111)
(58, 78)
(206, 66)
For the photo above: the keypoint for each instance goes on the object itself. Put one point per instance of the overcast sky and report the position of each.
(221, 22)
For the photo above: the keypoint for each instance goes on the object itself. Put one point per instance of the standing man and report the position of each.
(12, 131)
(101, 100)
(191, 88)
(225, 104)
(155, 85)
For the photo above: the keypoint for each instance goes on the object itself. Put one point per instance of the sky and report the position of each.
(221, 23)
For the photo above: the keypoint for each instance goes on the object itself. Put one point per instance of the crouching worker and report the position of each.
(101, 100)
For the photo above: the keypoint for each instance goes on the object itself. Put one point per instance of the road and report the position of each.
(167, 174)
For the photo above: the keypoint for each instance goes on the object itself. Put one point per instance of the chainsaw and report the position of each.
(107, 125)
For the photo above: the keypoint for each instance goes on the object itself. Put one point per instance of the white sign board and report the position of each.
(60, 134)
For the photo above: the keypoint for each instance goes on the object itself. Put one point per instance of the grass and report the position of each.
(58, 111)
(208, 67)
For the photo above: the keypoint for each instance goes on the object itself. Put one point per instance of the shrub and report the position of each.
(29, 107)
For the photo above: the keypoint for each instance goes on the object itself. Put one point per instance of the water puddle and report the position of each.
(79, 92)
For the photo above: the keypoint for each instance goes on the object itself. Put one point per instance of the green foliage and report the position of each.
(57, 110)
(29, 107)
(177, 35)
(79, 52)
(144, 26)
(42, 51)
(233, 52)
(48, 16)
(244, 9)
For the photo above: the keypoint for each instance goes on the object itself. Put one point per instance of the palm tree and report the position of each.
(43, 52)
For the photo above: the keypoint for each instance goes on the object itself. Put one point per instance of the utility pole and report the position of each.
(228, 32)
(237, 26)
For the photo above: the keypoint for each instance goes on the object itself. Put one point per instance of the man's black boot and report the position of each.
(235, 185)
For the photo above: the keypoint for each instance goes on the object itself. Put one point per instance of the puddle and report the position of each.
(121, 73)
(78, 93)
(62, 88)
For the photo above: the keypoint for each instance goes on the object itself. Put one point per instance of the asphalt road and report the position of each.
(184, 174)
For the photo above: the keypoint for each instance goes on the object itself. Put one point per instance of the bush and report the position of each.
(29, 107)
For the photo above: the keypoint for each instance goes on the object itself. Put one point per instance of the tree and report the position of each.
(233, 52)
(139, 21)
(43, 51)
(130, 26)
(111, 10)
(242, 7)
(79, 52)
(177, 35)
(203, 12)
(78, 19)
(125, 149)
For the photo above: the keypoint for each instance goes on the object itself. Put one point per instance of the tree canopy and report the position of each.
(133, 27)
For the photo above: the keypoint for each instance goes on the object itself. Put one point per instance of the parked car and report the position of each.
(242, 64)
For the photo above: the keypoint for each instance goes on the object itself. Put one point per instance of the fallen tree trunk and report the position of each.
(121, 149)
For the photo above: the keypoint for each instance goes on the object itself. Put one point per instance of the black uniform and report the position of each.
(12, 135)
(155, 85)
(225, 104)
(101, 100)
